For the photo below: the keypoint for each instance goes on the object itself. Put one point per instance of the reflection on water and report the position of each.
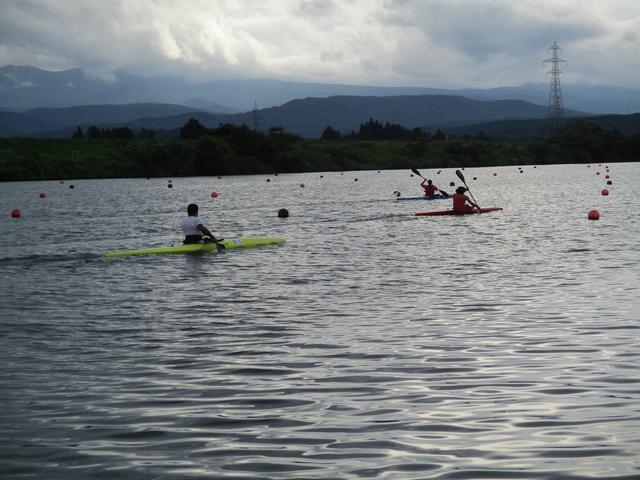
(373, 344)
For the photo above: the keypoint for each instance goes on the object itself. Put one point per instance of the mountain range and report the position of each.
(306, 117)
(26, 87)
(64, 100)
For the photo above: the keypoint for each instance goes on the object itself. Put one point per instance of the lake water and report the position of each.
(374, 344)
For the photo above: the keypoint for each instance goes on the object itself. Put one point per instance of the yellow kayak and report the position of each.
(202, 247)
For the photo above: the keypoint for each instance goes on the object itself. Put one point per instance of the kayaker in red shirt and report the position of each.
(460, 201)
(429, 188)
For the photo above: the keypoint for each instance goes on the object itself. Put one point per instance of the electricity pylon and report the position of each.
(555, 93)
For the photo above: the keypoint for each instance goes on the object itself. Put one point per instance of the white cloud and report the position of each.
(447, 43)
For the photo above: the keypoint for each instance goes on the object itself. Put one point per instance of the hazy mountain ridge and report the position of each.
(25, 87)
(306, 117)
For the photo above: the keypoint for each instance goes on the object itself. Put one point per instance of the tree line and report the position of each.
(375, 130)
(116, 133)
(238, 149)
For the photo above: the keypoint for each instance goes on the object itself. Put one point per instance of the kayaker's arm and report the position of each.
(471, 202)
(205, 231)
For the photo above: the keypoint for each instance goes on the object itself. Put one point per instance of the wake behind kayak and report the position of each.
(249, 242)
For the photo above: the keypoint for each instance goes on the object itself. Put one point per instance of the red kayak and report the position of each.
(451, 212)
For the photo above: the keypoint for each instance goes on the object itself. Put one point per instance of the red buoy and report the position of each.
(219, 177)
(61, 182)
(605, 192)
(495, 174)
(16, 213)
(214, 194)
(42, 195)
(606, 176)
(594, 215)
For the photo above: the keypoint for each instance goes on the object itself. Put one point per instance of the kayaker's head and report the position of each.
(429, 182)
(192, 210)
(460, 190)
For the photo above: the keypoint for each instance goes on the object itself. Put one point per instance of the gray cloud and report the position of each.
(446, 43)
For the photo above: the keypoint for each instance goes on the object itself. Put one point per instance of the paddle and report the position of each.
(444, 194)
(461, 177)
(220, 247)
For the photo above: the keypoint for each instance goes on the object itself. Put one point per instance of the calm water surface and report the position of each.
(374, 344)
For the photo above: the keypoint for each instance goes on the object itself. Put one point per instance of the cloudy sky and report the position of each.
(431, 43)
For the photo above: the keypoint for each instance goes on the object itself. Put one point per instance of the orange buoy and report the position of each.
(355, 179)
(594, 215)
(609, 182)
(268, 180)
(170, 185)
(214, 194)
(42, 195)
(605, 192)
(597, 173)
(16, 213)
(588, 166)
(452, 184)
(302, 185)
(475, 178)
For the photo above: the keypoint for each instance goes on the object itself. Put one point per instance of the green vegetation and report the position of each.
(232, 149)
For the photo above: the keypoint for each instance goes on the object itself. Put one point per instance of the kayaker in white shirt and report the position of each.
(193, 228)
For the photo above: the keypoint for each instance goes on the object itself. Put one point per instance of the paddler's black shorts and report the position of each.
(189, 239)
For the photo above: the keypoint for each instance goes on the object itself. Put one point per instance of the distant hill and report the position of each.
(69, 116)
(15, 125)
(41, 120)
(308, 117)
(26, 87)
(540, 128)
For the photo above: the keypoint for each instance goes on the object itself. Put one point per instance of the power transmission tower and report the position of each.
(555, 93)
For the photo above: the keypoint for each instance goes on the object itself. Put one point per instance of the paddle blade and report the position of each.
(460, 176)
(444, 194)
(415, 170)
